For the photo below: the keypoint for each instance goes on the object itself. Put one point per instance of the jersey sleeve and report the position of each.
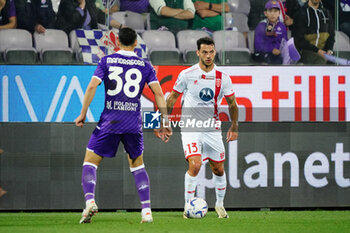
(180, 84)
(151, 77)
(101, 71)
(227, 86)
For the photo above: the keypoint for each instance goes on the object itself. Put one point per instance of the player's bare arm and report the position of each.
(232, 133)
(171, 100)
(165, 131)
(88, 97)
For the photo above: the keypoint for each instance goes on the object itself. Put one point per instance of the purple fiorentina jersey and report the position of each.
(265, 43)
(124, 75)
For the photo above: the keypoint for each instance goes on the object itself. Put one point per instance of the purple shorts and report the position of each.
(106, 144)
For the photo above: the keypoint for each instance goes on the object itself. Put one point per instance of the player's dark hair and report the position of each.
(127, 36)
(204, 40)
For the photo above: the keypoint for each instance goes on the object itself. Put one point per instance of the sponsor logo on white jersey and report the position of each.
(206, 94)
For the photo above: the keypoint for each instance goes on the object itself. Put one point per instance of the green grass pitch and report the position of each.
(239, 221)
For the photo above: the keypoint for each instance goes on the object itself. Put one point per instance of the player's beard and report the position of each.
(207, 65)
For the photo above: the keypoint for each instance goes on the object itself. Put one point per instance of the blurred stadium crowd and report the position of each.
(43, 31)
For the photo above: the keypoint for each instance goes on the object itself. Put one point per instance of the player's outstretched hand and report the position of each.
(79, 121)
(164, 134)
(232, 134)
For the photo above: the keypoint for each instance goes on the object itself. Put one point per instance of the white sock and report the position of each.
(220, 188)
(89, 201)
(190, 186)
(144, 211)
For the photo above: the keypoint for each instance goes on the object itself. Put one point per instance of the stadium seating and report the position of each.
(137, 21)
(53, 47)
(231, 47)
(162, 47)
(229, 22)
(238, 16)
(119, 16)
(16, 47)
(134, 20)
(233, 4)
(251, 35)
(342, 44)
(74, 45)
(187, 44)
(239, 21)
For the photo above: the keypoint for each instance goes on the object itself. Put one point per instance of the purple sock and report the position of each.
(142, 185)
(88, 180)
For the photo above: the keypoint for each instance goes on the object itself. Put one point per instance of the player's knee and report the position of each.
(194, 168)
(219, 170)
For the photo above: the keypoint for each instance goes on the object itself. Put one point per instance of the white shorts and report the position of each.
(209, 145)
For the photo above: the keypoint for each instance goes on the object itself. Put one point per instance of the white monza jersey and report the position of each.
(202, 94)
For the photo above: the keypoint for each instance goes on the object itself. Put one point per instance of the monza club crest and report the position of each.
(218, 82)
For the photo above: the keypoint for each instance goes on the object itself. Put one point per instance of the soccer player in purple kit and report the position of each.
(124, 76)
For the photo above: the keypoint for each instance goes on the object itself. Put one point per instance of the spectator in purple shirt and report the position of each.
(8, 18)
(269, 34)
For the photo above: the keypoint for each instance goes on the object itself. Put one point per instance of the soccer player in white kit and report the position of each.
(203, 87)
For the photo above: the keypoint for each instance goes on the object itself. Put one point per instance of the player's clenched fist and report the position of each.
(79, 121)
